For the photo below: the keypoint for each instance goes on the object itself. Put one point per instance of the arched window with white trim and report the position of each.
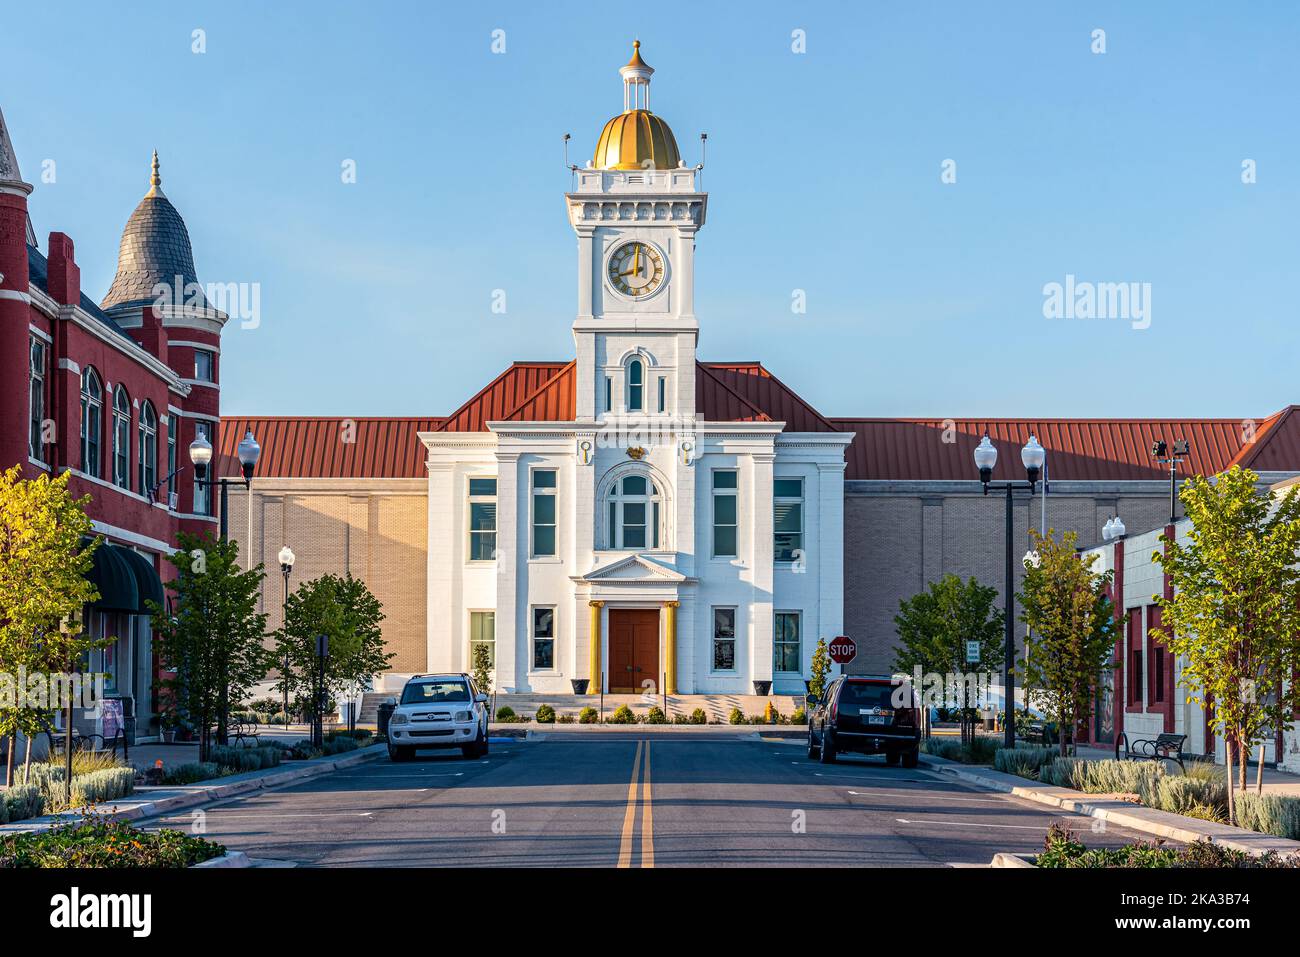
(92, 412)
(636, 385)
(121, 438)
(634, 513)
(147, 456)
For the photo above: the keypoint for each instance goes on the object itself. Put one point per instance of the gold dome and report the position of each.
(636, 139)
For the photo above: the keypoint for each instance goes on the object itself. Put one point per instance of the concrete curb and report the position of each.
(1174, 827)
(205, 794)
(233, 859)
(1012, 860)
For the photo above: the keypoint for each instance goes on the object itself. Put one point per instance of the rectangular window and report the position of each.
(724, 639)
(1135, 679)
(785, 644)
(482, 519)
(663, 394)
(724, 513)
(203, 365)
(787, 519)
(36, 438)
(173, 427)
(543, 639)
(203, 494)
(543, 513)
(609, 394)
(1157, 675)
(483, 631)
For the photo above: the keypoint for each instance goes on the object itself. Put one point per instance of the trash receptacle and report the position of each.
(386, 709)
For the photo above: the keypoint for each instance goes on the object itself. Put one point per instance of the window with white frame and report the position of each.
(482, 519)
(663, 393)
(147, 456)
(173, 433)
(609, 393)
(636, 386)
(121, 438)
(543, 639)
(544, 521)
(35, 434)
(92, 417)
(483, 634)
(725, 513)
(633, 510)
(786, 657)
(787, 519)
(202, 493)
(724, 639)
(204, 363)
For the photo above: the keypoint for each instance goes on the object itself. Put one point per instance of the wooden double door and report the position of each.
(633, 650)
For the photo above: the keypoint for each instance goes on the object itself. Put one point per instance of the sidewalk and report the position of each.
(1109, 808)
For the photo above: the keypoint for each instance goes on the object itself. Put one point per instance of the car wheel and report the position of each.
(910, 758)
(891, 757)
(828, 746)
(483, 747)
(398, 753)
(813, 750)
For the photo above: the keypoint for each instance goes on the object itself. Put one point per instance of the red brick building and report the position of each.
(112, 393)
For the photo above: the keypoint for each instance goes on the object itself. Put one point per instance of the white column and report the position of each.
(511, 570)
(758, 512)
(830, 558)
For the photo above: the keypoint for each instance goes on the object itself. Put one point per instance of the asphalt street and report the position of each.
(636, 799)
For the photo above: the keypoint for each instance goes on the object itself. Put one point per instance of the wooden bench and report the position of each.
(1163, 747)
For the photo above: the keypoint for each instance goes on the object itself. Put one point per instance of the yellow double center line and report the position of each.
(647, 812)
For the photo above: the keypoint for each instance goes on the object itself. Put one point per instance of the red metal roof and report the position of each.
(554, 401)
(765, 391)
(501, 396)
(313, 447)
(717, 401)
(1083, 449)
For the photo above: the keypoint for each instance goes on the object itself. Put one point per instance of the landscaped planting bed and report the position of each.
(1061, 849)
(99, 842)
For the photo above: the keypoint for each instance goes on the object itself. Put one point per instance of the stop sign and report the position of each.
(843, 649)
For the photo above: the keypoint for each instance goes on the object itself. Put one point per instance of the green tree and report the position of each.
(933, 628)
(345, 610)
(43, 587)
(1071, 631)
(821, 668)
(482, 665)
(1234, 617)
(213, 639)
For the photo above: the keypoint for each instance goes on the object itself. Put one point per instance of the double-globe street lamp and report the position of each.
(1032, 456)
(201, 457)
(286, 557)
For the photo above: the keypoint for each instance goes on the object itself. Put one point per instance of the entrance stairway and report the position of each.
(716, 706)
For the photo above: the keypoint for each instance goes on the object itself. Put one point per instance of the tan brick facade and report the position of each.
(374, 529)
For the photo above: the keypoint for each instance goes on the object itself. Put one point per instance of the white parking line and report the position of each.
(988, 800)
(1013, 827)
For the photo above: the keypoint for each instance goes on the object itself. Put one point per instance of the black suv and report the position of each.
(866, 716)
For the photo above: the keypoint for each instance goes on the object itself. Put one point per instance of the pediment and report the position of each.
(633, 568)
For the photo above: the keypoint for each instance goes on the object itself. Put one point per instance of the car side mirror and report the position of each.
(480, 699)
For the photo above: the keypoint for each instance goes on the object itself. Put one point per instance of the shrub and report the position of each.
(505, 713)
(736, 716)
(655, 715)
(106, 785)
(1193, 796)
(265, 705)
(1062, 849)
(339, 746)
(680, 718)
(1275, 814)
(588, 716)
(770, 714)
(22, 801)
(622, 715)
(699, 717)
(191, 772)
(96, 842)
(566, 719)
(800, 716)
(1108, 776)
(981, 750)
(545, 714)
(239, 759)
(1025, 762)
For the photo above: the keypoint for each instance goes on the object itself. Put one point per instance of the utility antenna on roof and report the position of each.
(569, 166)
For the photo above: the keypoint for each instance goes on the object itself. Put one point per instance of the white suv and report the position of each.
(439, 711)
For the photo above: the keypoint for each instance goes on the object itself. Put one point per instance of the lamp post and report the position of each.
(201, 456)
(1032, 456)
(286, 557)
(318, 726)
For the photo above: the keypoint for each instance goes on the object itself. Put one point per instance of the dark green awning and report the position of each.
(148, 585)
(115, 579)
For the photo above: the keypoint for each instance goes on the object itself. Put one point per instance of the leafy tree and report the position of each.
(821, 668)
(482, 665)
(345, 610)
(1235, 613)
(933, 628)
(43, 587)
(1071, 631)
(213, 639)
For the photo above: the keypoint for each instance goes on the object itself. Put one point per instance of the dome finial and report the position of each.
(155, 178)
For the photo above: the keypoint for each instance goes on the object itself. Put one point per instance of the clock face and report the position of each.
(636, 269)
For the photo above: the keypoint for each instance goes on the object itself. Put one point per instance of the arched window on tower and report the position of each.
(92, 413)
(636, 386)
(634, 513)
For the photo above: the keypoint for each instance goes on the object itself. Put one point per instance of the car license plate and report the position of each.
(877, 719)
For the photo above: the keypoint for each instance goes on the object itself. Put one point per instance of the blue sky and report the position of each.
(923, 298)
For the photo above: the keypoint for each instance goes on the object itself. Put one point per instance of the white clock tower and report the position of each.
(636, 211)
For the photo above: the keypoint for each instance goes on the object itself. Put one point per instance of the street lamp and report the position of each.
(286, 557)
(1032, 457)
(201, 457)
